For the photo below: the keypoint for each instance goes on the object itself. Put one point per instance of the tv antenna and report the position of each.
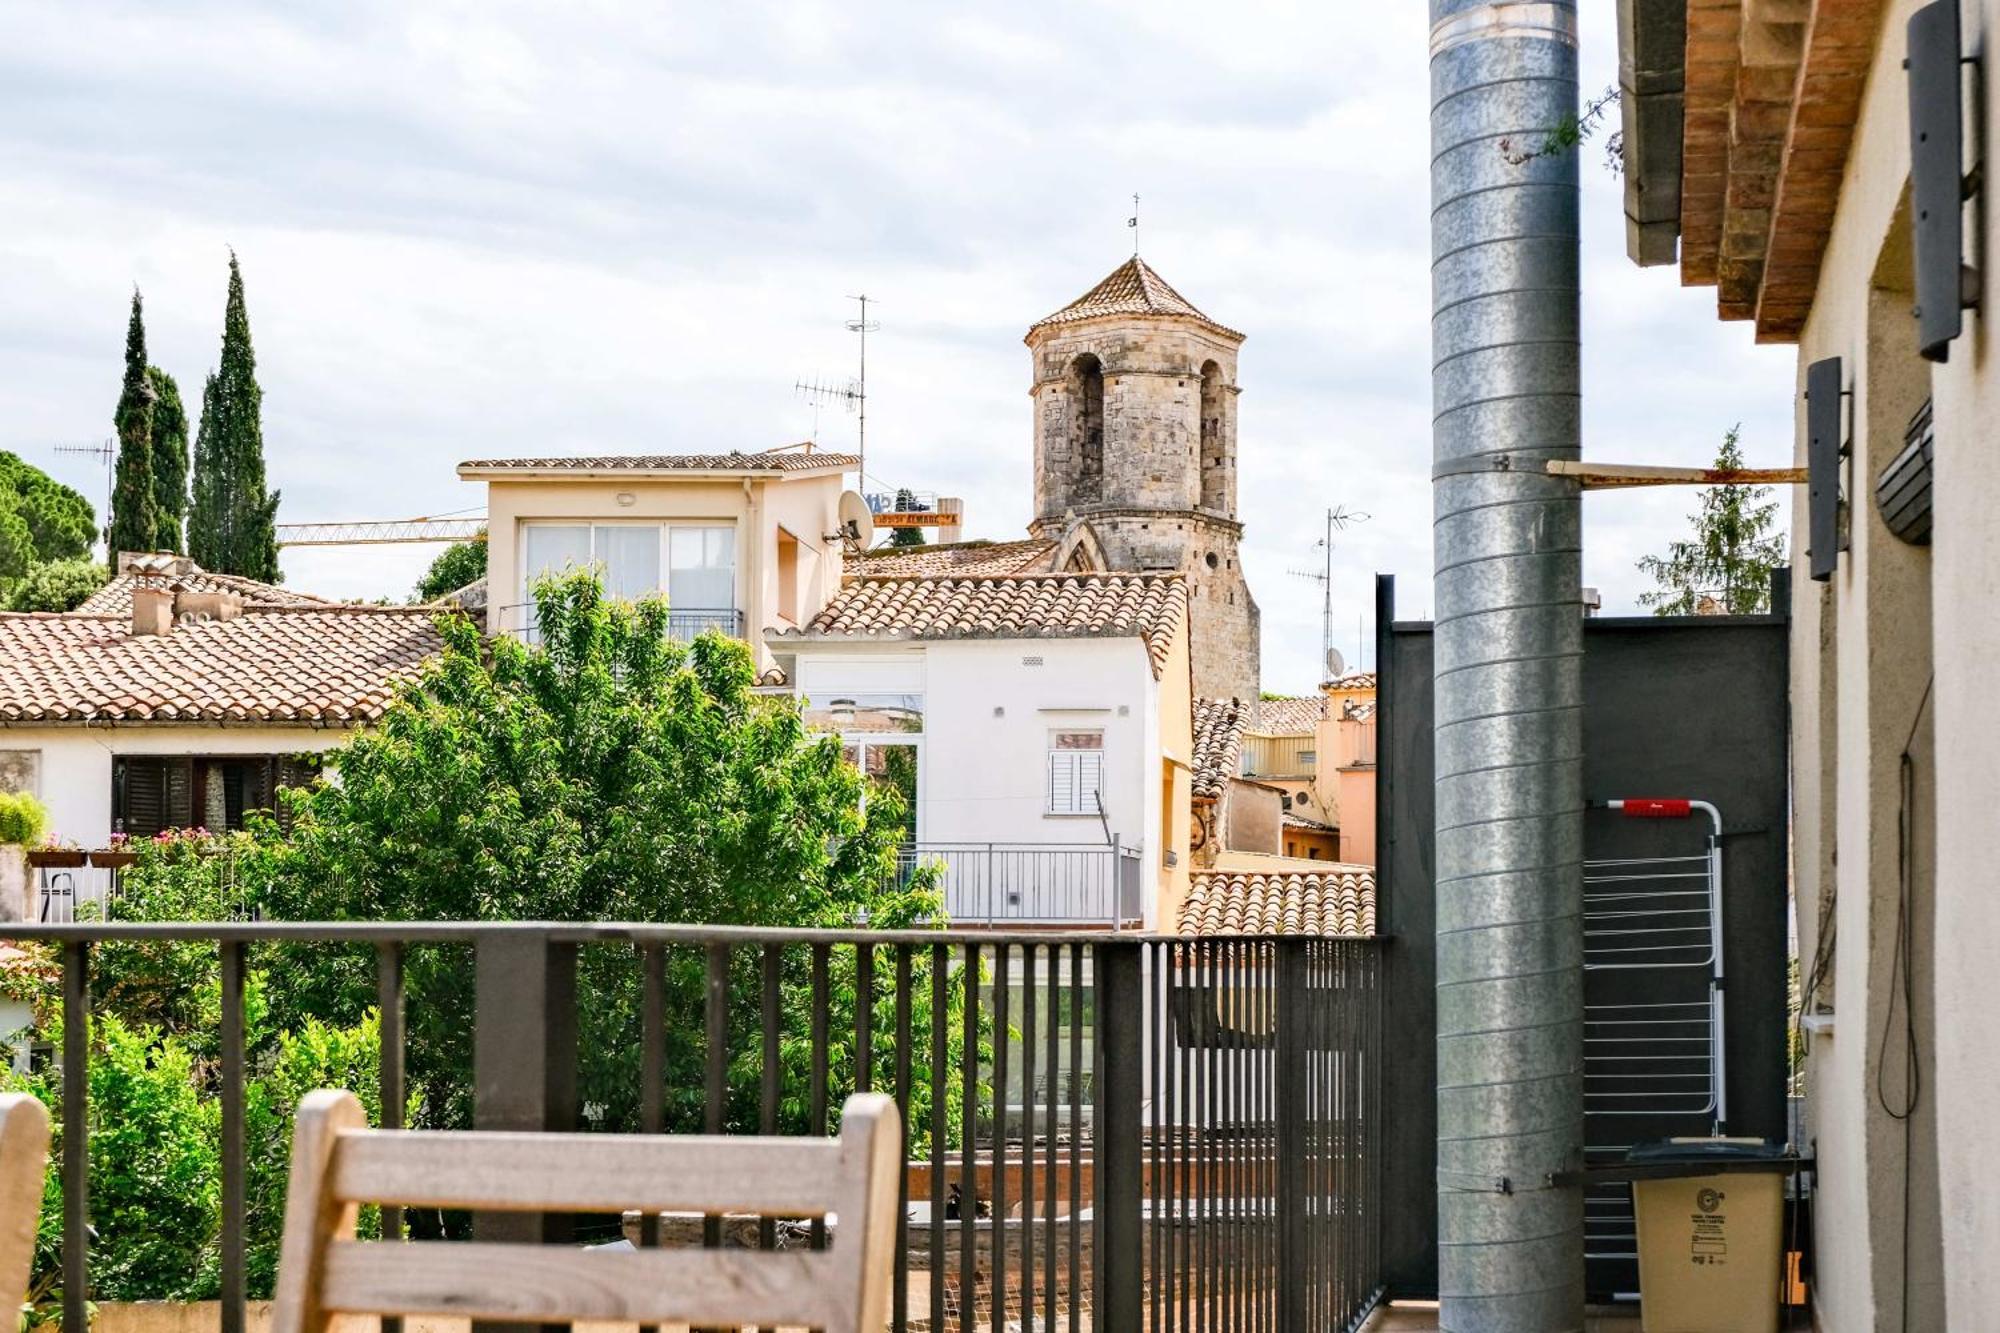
(852, 394)
(1338, 519)
(108, 451)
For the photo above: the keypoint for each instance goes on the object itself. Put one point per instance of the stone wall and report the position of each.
(1154, 471)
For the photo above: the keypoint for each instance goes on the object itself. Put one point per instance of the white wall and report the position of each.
(984, 772)
(75, 781)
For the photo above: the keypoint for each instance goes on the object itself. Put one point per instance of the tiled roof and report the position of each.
(115, 597)
(1285, 717)
(771, 460)
(1133, 288)
(1353, 680)
(1360, 710)
(1293, 819)
(1016, 606)
(771, 677)
(1218, 743)
(317, 665)
(1339, 900)
(1030, 555)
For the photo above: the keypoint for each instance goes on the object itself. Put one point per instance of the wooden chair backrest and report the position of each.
(24, 1158)
(338, 1163)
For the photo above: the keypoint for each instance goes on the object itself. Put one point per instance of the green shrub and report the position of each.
(23, 819)
(58, 585)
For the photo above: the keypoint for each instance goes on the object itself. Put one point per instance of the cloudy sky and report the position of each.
(471, 229)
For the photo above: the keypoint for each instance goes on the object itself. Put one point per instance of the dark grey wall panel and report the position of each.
(1689, 707)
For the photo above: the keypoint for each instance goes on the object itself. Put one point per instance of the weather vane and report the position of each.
(1133, 223)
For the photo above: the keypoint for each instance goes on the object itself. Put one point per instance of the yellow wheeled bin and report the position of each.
(1710, 1240)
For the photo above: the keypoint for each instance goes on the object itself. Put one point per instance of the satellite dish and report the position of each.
(857, 521)
(1336, 665)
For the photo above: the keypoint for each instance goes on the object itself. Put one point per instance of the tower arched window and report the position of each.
(1215, 460)
(1086, 375)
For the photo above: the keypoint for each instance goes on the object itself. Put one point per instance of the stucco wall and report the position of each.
(806, 507)
(990, 706)
(75, 763)
(1895, 655)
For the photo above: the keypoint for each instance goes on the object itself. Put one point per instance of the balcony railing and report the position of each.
(1051, 883)
(1238, 1187)
(683, 623)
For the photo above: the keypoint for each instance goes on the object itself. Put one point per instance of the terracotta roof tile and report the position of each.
(1019, 606)
(1289, 716)
(1133, 288)
(1218, 744)
(1293, 819)
(1337, 901)
(115, 597)
(1360, 710)
(308, 665)
(771, 460)
(1353, 680)
(1030, 555)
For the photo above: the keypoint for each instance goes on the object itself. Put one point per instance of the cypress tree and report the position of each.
(232, 524)
(134, 523)
(170, 459)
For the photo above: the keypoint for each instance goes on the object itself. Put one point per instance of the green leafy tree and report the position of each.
(232, 517)
(607, 773)
(456, 565)
(58, 585)
(170, 460)
(1730, 556)
(40, 519)
(134, 516)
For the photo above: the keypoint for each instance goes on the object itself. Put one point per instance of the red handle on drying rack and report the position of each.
(1654, 807)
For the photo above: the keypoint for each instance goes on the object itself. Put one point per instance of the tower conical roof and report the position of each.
(1133, 288)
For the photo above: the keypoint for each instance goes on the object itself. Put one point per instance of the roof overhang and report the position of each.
(1738, 119)
(474, 472)
(1652, 67)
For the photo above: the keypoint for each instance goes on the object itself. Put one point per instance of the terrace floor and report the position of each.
(1422, 1317)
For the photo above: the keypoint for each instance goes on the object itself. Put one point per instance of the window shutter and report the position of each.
(1074, 779)
(1062, 781)
(153, 795)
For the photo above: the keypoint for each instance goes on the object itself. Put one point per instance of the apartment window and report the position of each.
(698, 560)
(1076, 771)
(153, 793)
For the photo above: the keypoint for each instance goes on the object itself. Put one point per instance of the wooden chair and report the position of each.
(24, 1157)
(338, 1163)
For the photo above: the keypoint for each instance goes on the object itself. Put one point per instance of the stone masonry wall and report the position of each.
(1164, 493)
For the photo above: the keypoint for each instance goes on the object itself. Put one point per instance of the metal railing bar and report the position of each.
(76, 1134)
(940, 965)
(234, 1208)
(1001, 1042)
(816, 1079)
(390, 1075)
(901, 1301)
(968, 1189)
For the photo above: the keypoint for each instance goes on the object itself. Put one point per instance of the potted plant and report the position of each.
(54, 855)
(24, 822)
(117, 856)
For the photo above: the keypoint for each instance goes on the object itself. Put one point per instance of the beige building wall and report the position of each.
(1896, 753)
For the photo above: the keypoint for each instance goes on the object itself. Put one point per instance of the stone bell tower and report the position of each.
(1135, 456)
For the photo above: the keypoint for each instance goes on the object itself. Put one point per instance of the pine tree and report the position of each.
(1728, 562)
(232, 523)
(134, 523)
(170, 459)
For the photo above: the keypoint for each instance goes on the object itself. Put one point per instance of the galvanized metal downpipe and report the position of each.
(1508, 652)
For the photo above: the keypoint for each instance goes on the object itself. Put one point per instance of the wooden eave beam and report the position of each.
(1840, 40)
(1620, 476)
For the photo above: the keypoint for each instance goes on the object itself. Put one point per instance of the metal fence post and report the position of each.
(1120, 1240)
(523, 1065)
(1293, 1051)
